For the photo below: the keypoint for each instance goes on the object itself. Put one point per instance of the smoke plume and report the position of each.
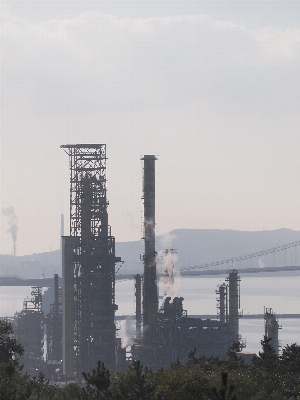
(12, 222)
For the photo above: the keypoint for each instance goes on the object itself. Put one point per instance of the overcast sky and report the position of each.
(212, 88)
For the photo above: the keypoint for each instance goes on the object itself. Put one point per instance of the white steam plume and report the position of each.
(12, 222)
(167, 259)
(166, 240)
(261, 263)
(128, 328)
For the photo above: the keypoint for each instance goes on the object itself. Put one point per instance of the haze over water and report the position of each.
(281, 293)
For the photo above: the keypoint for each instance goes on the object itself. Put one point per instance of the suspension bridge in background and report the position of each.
(275, 259)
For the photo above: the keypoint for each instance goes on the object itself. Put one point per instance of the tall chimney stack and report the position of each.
(150, 295)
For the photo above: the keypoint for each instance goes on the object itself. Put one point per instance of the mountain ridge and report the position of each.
(194, 247)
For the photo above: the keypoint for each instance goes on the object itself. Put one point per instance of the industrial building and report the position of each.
(169, 334)
(29, 330)
(80, 326)
(88, 285)
(88, 266)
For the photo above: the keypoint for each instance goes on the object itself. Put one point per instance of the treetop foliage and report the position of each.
(269, 376)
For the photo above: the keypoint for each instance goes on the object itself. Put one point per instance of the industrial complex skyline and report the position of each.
(211, 89)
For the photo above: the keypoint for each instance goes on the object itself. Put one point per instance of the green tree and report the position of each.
(226, 390)
(208, 364)
(289, 370)
(290, 358)
(267, 359)
(10, 349)
(136, 383)
(234, 361)
(265, 369)
(188, 382)
(98, 382)
(71, 391)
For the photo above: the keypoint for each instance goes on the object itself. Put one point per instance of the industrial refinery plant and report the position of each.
(81, 325)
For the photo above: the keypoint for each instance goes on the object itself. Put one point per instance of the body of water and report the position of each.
(281, 293)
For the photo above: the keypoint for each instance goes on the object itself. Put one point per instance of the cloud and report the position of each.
(279, 43)
(101, 61)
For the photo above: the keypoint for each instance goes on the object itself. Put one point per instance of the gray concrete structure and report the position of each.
(68, 306)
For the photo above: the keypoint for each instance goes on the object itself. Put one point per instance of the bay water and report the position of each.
(278, 291)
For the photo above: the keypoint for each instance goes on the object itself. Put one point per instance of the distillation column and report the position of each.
(150, 295)
(234, 301)
(222, 302)
(271, 329)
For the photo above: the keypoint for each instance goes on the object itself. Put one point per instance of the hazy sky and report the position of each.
(212, 88)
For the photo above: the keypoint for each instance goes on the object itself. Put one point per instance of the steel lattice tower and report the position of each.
(88, 265)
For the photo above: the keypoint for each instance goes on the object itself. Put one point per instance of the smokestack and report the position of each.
(150, 295)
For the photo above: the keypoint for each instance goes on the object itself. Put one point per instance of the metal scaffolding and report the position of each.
(88, 266)
(30, 331)
(222, 303)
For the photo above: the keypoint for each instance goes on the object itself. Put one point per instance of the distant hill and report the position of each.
(31, 266)
(201, 246)
(194, 247)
